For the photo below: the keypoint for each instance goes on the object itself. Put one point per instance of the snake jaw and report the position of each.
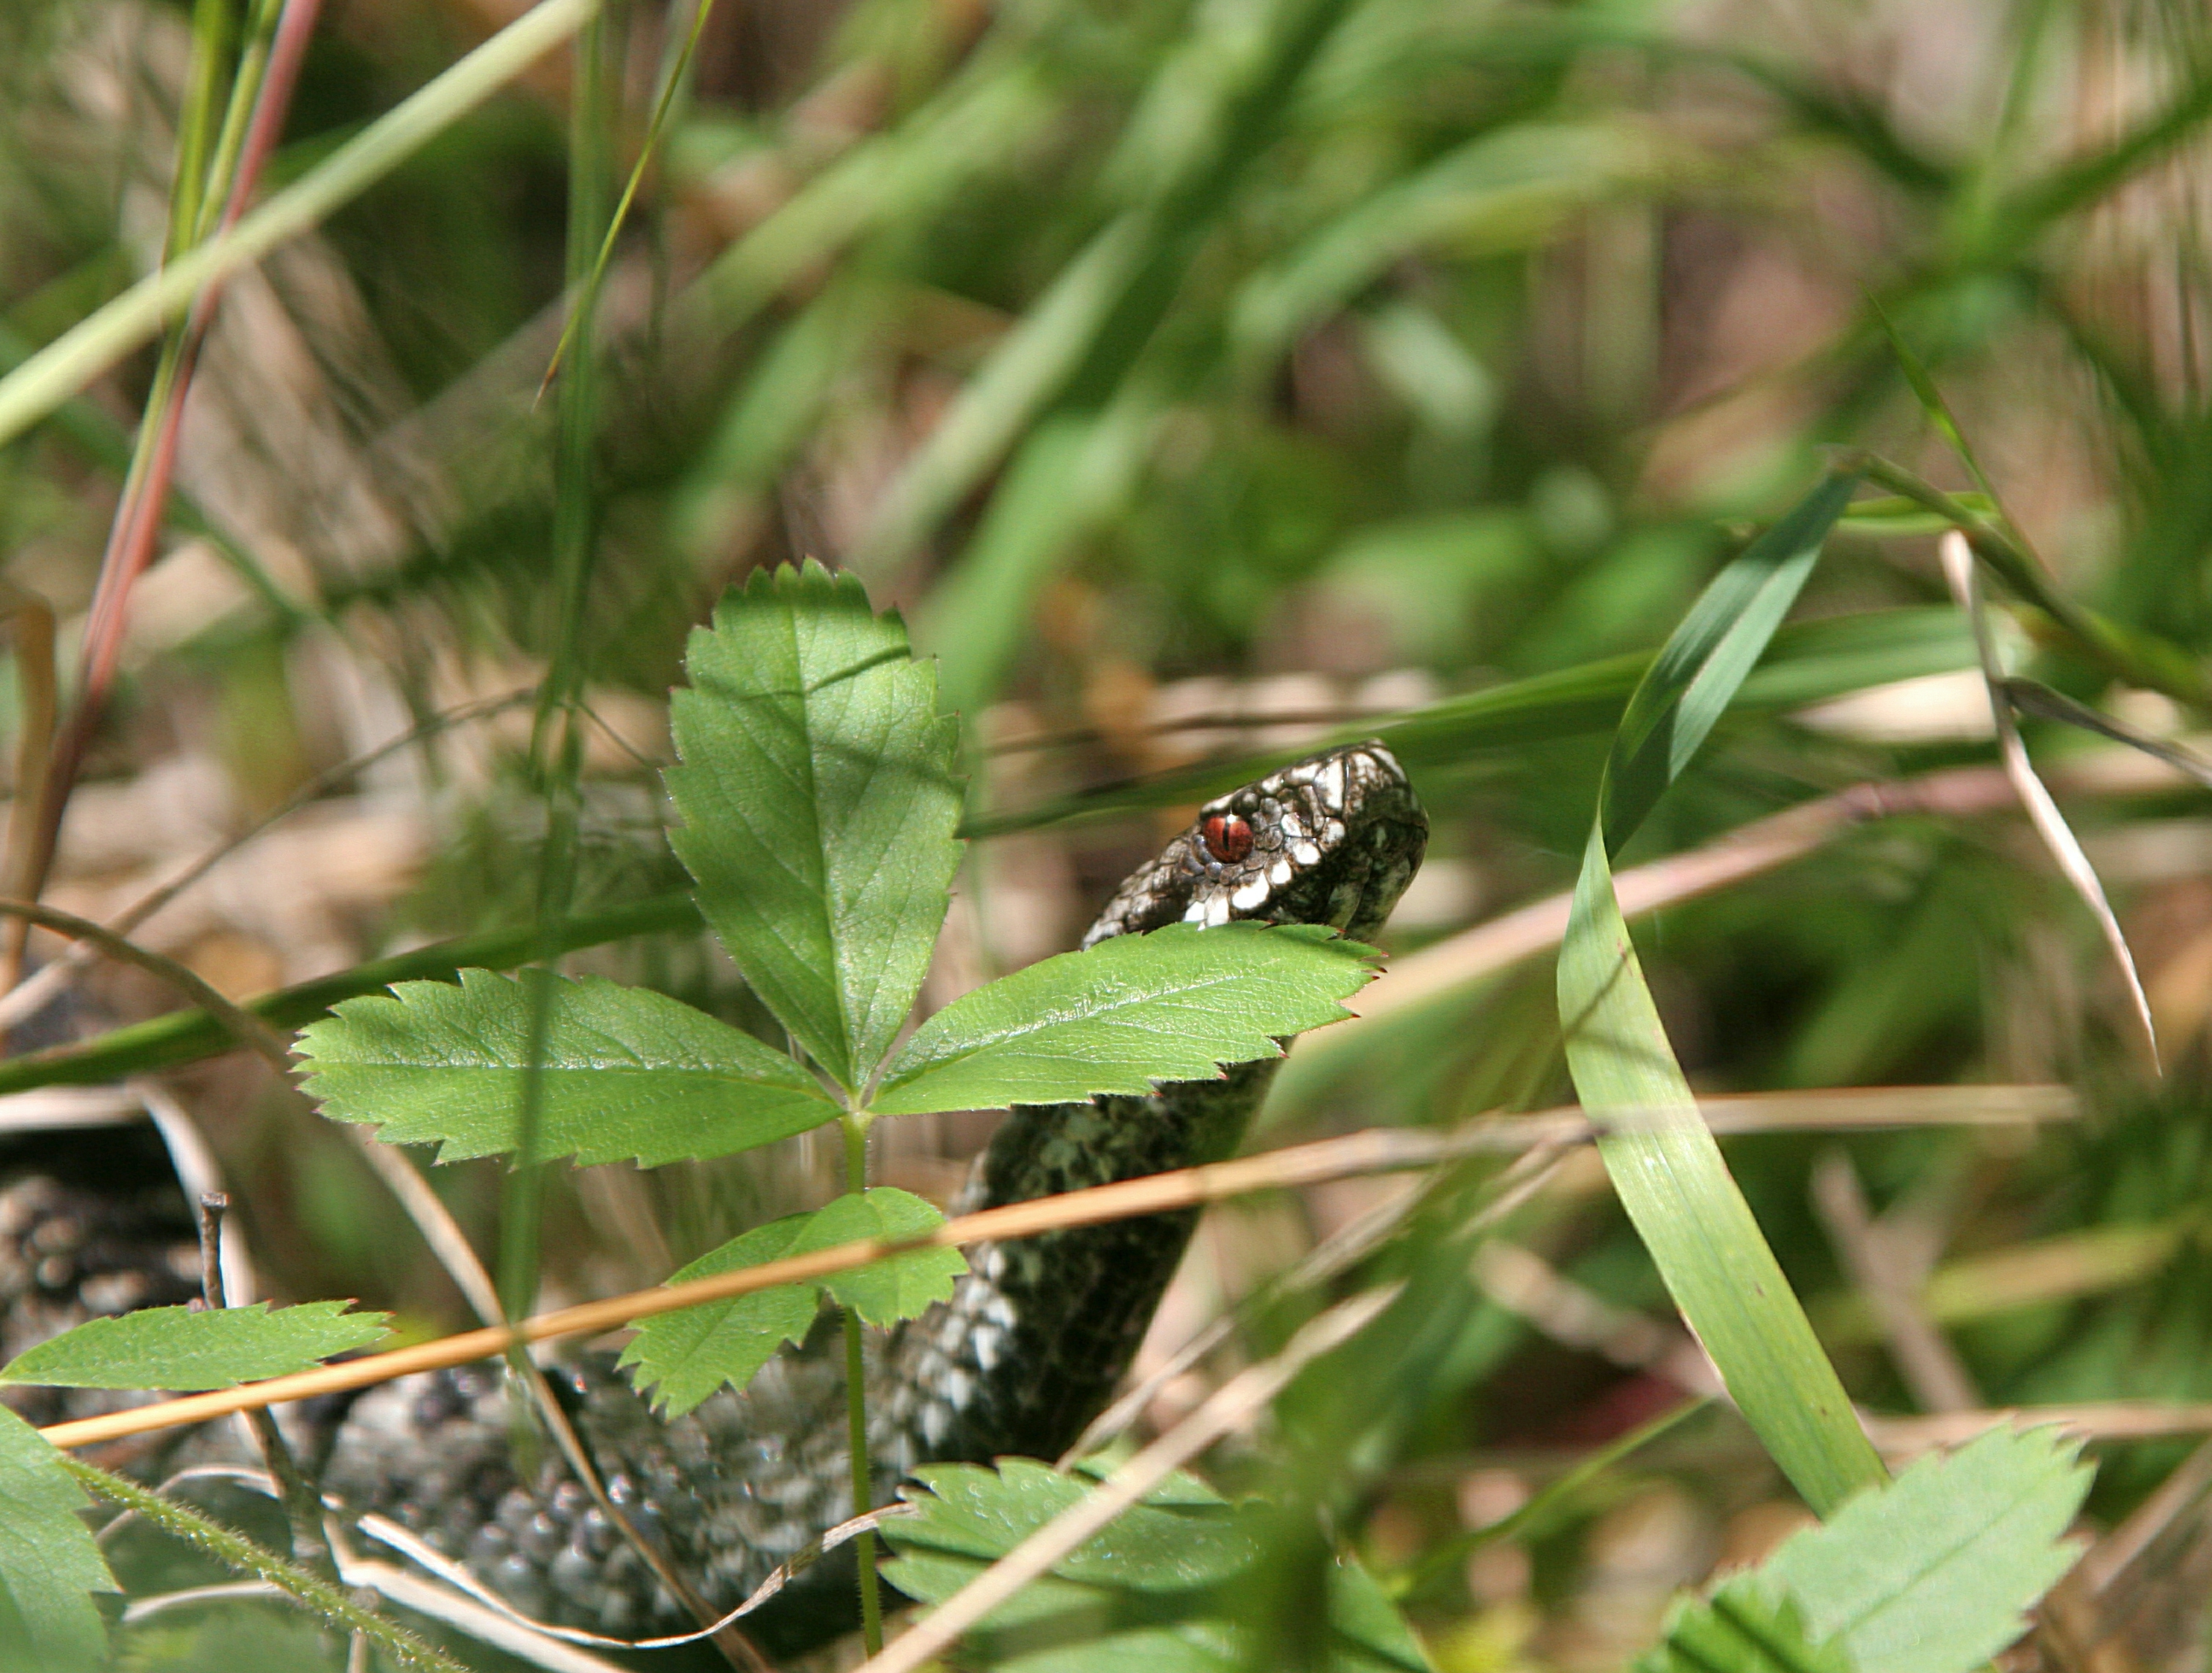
(1333, 840)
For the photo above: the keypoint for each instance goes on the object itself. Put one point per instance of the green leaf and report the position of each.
(1935, 1574)
(819, 801)
(1153, 1592)
(1130, 1012)
(1665, 1166)
(883, 1292)
(48, 1561)
(682, 1357)
(188, 1348)
(690, 1354)
(628, 1072)
(1743, 1627)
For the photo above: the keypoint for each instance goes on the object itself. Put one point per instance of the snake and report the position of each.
(1026, 1351)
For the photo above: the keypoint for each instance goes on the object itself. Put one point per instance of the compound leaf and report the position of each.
(1130, 1012)
(627, 1072)
(819, 800)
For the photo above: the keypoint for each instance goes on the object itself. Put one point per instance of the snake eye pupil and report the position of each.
(1227, 838)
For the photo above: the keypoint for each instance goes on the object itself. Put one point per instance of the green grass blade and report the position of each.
(88, 348)
(579, 317)
(1677, 1191)
(1808, 662)
(1072, 474)
(1665, 1166)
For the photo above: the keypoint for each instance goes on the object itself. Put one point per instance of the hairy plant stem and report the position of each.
(856, 1406)
(234, 1551)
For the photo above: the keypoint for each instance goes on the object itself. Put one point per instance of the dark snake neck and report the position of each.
(1025, 1353)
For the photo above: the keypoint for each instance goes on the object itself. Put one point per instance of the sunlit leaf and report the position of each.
(819, 801)
(1134, 1010)
(48, 1561)
(187, 1349)
(1935, 1574)
(1664, 1164)
(627, 1073)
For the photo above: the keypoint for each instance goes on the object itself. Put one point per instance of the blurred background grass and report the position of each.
(1200, 378)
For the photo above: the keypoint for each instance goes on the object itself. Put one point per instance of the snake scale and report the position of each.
(1026, 1351)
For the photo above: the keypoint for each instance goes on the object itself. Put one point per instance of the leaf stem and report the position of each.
(234, 1551)
(855, 1124)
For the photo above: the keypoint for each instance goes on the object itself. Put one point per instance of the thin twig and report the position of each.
(1228, 1408)
(302, 1501)
(1380, 1150)
(2095, 1419)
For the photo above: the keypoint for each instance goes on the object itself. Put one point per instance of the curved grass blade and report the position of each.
(2042, 812)
(1664, 1163)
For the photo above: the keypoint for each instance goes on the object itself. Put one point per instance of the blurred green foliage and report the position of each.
(1149, 353)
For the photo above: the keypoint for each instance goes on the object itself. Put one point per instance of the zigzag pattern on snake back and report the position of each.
(1026, 1352)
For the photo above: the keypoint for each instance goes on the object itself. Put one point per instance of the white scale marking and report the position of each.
(1330, 782)
(1250, 895)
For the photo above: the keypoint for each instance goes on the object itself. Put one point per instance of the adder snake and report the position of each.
(1027, 1350)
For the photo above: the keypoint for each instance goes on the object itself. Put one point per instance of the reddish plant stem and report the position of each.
(144, 504)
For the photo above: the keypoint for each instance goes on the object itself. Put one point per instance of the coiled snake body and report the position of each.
(1027, 1350)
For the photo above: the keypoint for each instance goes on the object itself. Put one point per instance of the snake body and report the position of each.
(1028, 1348)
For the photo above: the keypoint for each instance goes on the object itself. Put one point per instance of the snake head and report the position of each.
(1333, 840)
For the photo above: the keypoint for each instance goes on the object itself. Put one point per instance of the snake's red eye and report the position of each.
(1227, 838)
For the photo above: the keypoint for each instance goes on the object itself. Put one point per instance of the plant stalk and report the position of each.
(856, 1408)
